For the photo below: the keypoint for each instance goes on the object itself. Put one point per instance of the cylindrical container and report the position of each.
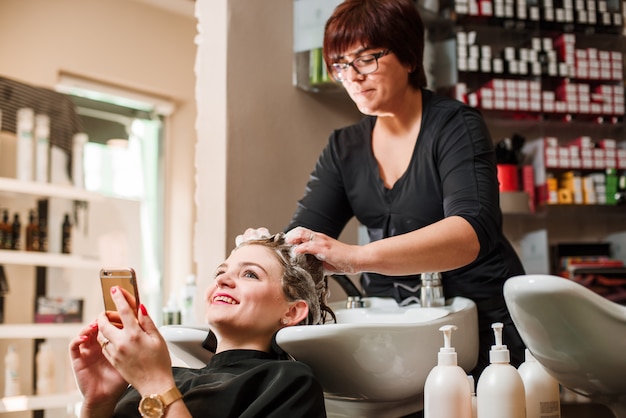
(66, 235)
(188, 317)
(500, 392)
(171, 312)
(543, 399)
(508, 177)
(25, 146)
(431, 291)
(42, 148)
(12, 372)
(78, 145)
(446, 392)
(45, 370)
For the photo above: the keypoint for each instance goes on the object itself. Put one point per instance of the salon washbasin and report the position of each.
(576, 334)
(374, 361)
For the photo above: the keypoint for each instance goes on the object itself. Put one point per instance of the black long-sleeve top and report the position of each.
(452, 172)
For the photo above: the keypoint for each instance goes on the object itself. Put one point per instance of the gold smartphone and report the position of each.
(124, 278)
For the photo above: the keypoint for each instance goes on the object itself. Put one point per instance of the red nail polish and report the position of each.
(113, 289)
(144, 311)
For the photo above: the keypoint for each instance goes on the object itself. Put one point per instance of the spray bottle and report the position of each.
(500, 392)
(542, 390)
(446, 392)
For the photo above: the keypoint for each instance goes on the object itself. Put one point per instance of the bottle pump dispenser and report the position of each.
(500, 392)
(446, 392)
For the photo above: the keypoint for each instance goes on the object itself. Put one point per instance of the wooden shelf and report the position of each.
(35, 403)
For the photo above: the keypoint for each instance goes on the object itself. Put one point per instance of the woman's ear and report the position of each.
(297, 312)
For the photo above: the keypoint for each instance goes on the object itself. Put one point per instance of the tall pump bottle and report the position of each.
(500, 391)
(446, 391)
(45, 370)
(12, 372)
(542, 390)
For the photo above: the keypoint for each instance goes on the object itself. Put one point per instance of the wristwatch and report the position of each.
(153, 406)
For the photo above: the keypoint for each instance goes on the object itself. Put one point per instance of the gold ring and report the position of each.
(104, 343)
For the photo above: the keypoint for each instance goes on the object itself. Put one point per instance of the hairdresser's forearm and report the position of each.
(445, 245)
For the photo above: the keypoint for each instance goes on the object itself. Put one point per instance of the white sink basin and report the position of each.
(375, 360)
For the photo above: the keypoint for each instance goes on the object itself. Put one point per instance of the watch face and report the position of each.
(151, 407)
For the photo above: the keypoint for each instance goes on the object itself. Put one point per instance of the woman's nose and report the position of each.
(223, 280)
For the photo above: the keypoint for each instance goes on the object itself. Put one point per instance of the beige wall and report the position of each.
(273, 132)
(129, 44)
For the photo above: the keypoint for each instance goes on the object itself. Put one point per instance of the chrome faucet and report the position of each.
(431, 292)
(355, 297)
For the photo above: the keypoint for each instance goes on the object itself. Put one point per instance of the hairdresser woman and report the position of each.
(418, 171)
(261, 288)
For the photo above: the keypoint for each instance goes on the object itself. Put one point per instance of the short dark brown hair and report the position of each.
(392, 24)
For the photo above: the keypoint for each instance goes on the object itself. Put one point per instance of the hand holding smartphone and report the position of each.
(126, 279)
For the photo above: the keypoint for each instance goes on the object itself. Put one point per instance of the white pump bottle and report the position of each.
(542, 390)
(500, 391)
(446, 391)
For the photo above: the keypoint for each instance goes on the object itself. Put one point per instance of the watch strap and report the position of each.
(170, 396)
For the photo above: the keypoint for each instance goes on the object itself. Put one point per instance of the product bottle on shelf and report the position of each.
(500, 392)
(5, 232)
(42, 147)
(25, 148)
(32, 232)
(446, 391)
(542, 390)
(188, 297)
(12, 372)
(45, 370)
(78, 144)
(171, 312)
(16, 232)
(66, 235)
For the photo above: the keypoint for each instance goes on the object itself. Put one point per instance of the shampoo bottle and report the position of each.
(42, 147)
(500, 392)
(25, 147)
(78, 144)
(542, 390)
(189, 294)
(446, 392)
(45, 370)
(12, 372)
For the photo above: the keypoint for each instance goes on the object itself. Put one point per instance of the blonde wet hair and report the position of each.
(303, 278)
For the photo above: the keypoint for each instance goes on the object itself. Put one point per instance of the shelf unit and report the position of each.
(16, 190)
(514, 26)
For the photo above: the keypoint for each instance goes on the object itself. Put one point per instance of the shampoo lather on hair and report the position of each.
(500, 392)
(446, 391)
(542, 390)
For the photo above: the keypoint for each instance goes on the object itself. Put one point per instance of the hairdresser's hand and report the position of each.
(252, 233)
(99, 382)
(137, 350)
(336, 256)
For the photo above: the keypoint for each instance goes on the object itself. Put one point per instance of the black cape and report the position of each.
(243, 383)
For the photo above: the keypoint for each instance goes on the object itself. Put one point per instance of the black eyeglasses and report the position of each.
(365, 64)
